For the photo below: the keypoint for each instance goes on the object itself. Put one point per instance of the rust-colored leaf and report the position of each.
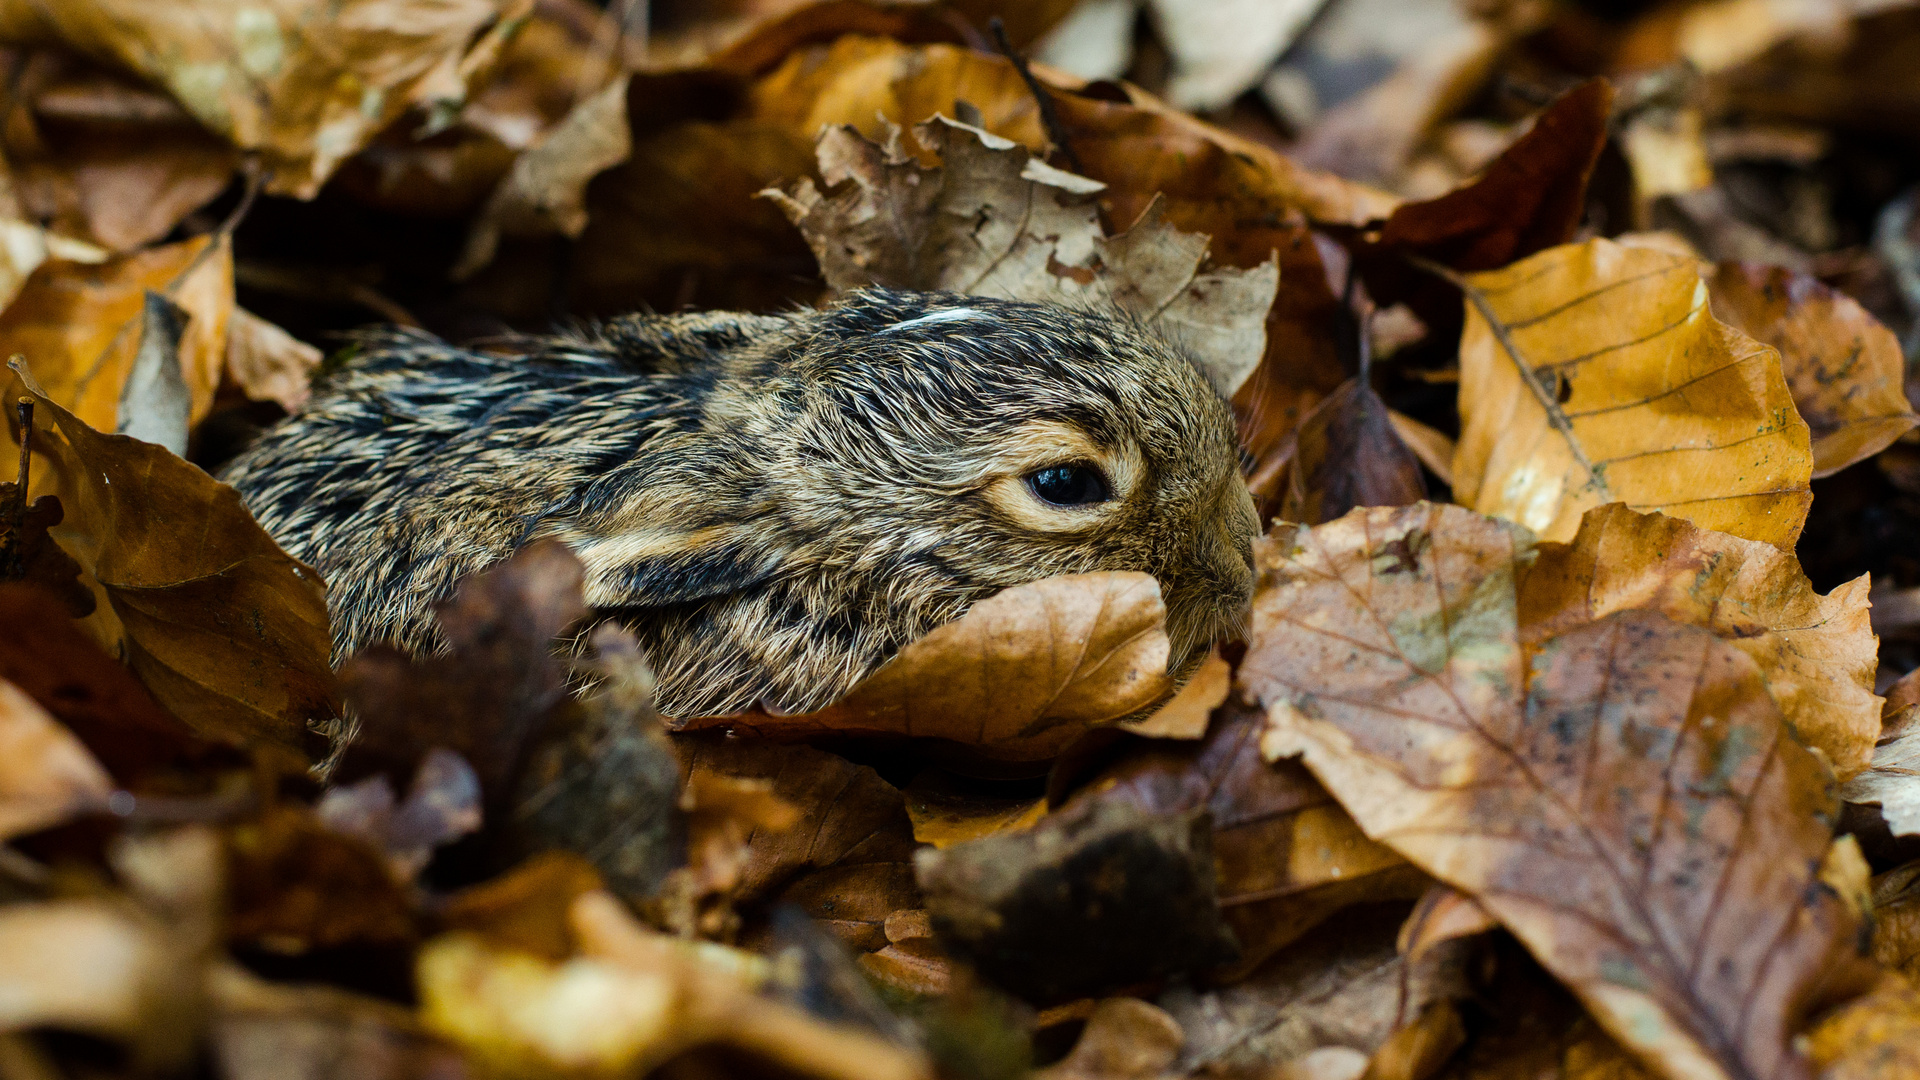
(1593, 373)
(1017, 678)
(1818, 652)
(1626, 800)
(1845, 369)
(227, 631)
(1285, 855)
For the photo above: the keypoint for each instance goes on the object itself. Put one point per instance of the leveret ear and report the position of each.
(662, 564)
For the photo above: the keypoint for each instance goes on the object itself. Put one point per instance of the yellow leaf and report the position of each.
(1593, 373)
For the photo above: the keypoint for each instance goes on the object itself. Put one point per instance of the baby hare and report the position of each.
(775, 504)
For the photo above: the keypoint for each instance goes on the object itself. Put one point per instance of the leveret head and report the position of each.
(868, 471)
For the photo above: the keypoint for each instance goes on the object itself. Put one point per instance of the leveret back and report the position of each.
(776, 504)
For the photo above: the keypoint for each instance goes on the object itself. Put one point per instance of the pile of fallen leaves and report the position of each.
(1569, 346)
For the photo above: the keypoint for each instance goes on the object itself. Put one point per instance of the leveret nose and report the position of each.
(1229, 540)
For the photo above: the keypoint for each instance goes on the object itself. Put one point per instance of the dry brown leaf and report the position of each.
(267, 363)
(1017, 678)
(1896, 919)
(100, 967)
(1220, 51)
(24, 248)
(1285, 855)
(1876, 1037)
(1442, 914)
(847, 861)
(1348, 453)
(993, 220)
(546, 189)
(46, 775)
(1818, 652)
(1593, 373)
(1318, 1010)
(275, 1031)
(1185, 715)
(1845, 369)
(227, 631)
(79, 326)
(1626, 800)
(305, 84)
(1125, 1039)
(946, 810)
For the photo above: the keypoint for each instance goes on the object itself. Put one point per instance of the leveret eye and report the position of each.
(1069, 485)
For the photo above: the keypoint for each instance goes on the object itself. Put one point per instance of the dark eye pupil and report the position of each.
(1069, 485)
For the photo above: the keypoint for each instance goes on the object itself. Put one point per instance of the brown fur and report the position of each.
(776, 504)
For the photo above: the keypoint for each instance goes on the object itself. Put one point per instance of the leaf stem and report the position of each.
(1056, 131)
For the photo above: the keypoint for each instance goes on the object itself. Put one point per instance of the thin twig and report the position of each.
(1555, 416)
(1048, 118)
(24, 410)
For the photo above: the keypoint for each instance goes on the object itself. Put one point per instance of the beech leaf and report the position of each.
(227, 631)
(1017, 678)
(1626, 800)
(1846, 370)
(1593, 373)
(1819, 652)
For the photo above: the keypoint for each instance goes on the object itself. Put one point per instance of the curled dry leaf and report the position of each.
(993, 220)
(1319, 1009)
(1593, 373)
(25, 247)
(1017, 678)
(1819, 652)
(1892, 779)
(1845, 369)
(267, 363)
(227, 631)
(1220, 51)
(304, 84)
(79, 325)
(1285, 855)
(1626, 800)
(46, 775)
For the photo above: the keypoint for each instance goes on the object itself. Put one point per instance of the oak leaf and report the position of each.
(1845, 369)
(227, 631)
(1626, 800)
(1593, 373)
(304, 84)
(1019, 677)
(1819, 652)
(993, 220)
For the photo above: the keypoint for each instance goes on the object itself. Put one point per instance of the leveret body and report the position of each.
(776, 504)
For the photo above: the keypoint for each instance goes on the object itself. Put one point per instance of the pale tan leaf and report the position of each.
(268, 363)
(1626, 800)
(1018, 678)
(1819, 652)
(1125, 1039)
(1593, 373)
(46, 774)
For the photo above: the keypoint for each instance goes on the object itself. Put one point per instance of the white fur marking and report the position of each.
(948, 315)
